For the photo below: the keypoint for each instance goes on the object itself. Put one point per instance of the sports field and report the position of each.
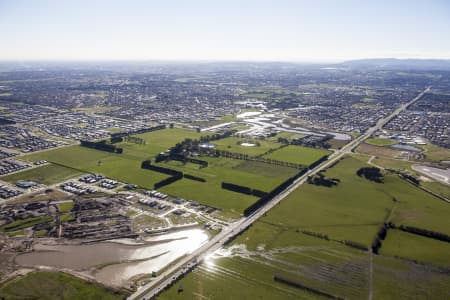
(232, 144)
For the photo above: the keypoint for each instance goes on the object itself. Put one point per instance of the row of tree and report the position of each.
(167, 181)
(243, 189)
(101, 145)
(137, 131)
(175, 175)
(146, 164)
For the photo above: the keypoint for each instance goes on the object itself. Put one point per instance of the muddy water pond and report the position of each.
(116, 262)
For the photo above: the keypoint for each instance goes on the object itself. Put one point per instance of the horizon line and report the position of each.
(218, 60)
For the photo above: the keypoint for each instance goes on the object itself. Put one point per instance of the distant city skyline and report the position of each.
(305, 31)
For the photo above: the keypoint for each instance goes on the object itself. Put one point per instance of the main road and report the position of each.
(184, 265)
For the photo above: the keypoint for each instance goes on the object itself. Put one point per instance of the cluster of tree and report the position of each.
(189, 145)
(191, 177)
(146, 164)
(308, 141)
(263, 200)
(321, 180)
(299, 285)
(371, 173)
(137, 131)
(101, 145)
(243, 189)
(134, 139)
(216, 136)
(425, 232)
(186, 159)
(381, 235)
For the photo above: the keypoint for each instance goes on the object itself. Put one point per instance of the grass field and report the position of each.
(168, 137)
(231, 144)
(298, 154)
(54, 286)
(65, 207)
(350, 211)
(48, 174)
(416, 247)
(126, 167)
(380, 142)
(353, 210)
(117, 166)
(266, 169)
(437, 187)
(436, 153)
(395, 279)
(224, 170)
(378, 151)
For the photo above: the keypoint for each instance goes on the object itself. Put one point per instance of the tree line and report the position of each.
(243, 189)
(101, 145)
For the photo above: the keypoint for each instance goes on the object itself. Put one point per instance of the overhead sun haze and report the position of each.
(281, 30)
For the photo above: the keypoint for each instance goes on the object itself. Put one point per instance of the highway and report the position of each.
(183, 266)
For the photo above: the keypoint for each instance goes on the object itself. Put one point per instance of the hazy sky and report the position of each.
(225, 30)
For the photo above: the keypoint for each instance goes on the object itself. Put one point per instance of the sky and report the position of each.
(255, 30)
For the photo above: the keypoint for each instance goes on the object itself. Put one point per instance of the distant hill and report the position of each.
(398, 64)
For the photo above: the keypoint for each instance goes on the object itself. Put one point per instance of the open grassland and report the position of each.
(435, 153)
(48, 174)
(378, 151)
(380, 142)
(225, 170)
(417, 208)
(264, 169)
(353, 210)
(240, 278)
(399, 279)
(232, 144)
(117, 166)
(337, 144)
(54, 286)
(437, 187)
(298, 154)
(415, 247)
(168, 137)
(126, 167)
